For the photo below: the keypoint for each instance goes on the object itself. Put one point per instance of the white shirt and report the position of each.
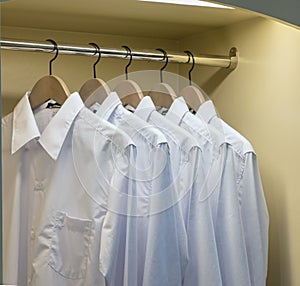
(134, 250)
(51, 217)
(185, 159)
(242, 192)
(203, 265)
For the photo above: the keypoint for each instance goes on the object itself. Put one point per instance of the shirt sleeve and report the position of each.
(113, 243)
(255, 220)
(166, 243)
(203, 264)
(143, 235)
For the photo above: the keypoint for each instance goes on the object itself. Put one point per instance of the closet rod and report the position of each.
(229, 61)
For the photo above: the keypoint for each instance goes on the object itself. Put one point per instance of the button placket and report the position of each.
(32, 234)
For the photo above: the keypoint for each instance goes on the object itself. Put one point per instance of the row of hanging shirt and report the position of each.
(101, 195)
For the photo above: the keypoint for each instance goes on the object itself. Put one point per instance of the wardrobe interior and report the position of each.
(260, 98)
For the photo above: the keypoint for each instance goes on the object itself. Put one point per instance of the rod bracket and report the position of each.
(234, 56)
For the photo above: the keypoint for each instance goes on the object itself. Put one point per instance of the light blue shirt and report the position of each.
(134, 251)
(183, 147)
(185, 159)
(203, 266)
(242, 229)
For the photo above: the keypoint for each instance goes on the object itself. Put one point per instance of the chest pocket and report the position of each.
(70, 242)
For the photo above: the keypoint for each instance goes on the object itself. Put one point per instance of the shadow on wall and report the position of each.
(279, 248)
(8, 103)
(212, 83)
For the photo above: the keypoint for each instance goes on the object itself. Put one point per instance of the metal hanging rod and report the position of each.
(229, 61)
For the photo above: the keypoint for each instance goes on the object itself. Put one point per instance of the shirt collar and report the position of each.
(145, 108)
(24, 124)
(53, 137)
(56, 131)
(147, 111)
(108, 106)
(207, 111)
(113, 105)
(177, 110)
(177, 134)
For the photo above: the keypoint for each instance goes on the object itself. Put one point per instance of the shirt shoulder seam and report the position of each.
(110, 138)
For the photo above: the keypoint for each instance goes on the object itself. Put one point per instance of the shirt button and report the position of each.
(39, 186)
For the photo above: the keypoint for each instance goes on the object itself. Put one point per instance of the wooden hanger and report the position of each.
(129, 91)
(95, 89)
(192, 95)
(49, 87)
(163, 94)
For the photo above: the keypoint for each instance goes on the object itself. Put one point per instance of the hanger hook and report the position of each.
(130, 60)
(55, 48)
(166, 63)
(193, 65)
(98, 51)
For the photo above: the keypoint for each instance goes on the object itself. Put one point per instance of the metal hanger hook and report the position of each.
(98, 51)
(193, 65)
(55, 48)
(166, 63)
(130, 60)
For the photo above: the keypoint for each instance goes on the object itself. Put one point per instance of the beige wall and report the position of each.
(20, 70)
(261, 99)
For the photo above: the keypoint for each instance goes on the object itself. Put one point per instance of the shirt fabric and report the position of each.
(133, 251)
(185, 159)
(52, 218)
(203, 265)
(117, 199)
(183, 147)
(242, 191)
